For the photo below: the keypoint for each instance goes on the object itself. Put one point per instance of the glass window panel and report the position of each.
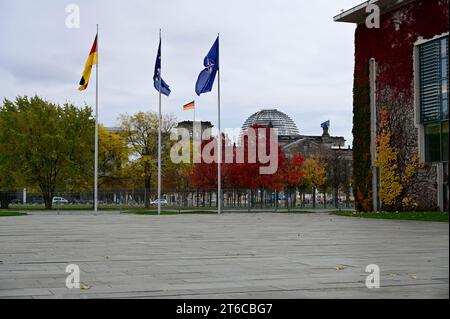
(444, 86)
(445, 142)
(444, 47)
(444, 113)
(433, 143)
(444, 69)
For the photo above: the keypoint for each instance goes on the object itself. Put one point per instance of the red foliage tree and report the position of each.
(293, 171)
(244, 175)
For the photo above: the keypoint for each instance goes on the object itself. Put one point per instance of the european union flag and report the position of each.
(157, 76)
(207, 76)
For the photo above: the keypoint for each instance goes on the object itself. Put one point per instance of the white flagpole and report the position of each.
(96, 134)
(159, 133)
(219, 159)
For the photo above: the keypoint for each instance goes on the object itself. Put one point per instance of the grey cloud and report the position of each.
(286, 54)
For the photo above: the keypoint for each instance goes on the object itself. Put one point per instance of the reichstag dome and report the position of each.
(278, 120)
(289, 137)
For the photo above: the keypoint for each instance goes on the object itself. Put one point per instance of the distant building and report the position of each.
(401, 78)
(114, 129)
(189, 125)
(285, 126)
(289, 137)
(310, 145)
(329, 149)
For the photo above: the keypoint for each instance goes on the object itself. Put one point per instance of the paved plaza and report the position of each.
(236, 255)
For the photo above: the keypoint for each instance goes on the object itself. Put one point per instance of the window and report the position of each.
(436, 142)
(444, 140)
(444, 79)
(433, 79)
(445, 186)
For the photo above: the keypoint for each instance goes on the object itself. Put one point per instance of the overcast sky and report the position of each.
(287, 54)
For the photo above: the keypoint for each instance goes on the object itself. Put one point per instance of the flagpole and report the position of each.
(96, 134)
(219, 160)
(159, 135)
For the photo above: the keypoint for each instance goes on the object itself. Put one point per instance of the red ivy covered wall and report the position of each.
(392, 47)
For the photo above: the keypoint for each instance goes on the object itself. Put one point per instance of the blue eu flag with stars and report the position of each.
(207, 76)
(157, 76)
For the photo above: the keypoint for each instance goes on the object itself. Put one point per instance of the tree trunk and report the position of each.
(295, 198)
(148, 185)
(303, 198)
(4, 200)
(203, 199)
(286, 198)
(336, 197)
(289, 200)
(314, 197)
(261, 198)
(347, 198)
(276, 200)
(48, 199)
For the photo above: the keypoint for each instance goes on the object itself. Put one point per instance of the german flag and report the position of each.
(91, 60)
(189, 106)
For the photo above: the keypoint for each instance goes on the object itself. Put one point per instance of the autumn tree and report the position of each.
(338, 167)
(46, 145)
(243, 173)
(8, 180)
(293, 174)
(113, 157)
(315, 175)
(141, 132)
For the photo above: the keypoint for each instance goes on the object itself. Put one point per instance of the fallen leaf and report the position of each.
(392, 274)
(84, 286)
(340, 267)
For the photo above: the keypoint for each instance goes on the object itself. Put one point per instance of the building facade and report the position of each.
(189, 125)
(400, 104)
(289, 137)
(329, 149)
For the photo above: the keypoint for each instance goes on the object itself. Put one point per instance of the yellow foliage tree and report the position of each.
(391, 185)
(315, 175)
(114, 154)
(392, 178)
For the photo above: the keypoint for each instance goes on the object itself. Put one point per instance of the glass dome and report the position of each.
(278, 120)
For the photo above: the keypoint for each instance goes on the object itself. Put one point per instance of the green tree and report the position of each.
(47, 145)
(7, 185)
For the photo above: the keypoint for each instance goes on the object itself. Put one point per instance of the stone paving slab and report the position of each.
(227, 256)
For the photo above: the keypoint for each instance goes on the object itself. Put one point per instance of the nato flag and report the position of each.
(206, 78)
(157, 76)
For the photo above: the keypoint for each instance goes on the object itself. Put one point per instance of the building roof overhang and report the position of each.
(358, 14)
